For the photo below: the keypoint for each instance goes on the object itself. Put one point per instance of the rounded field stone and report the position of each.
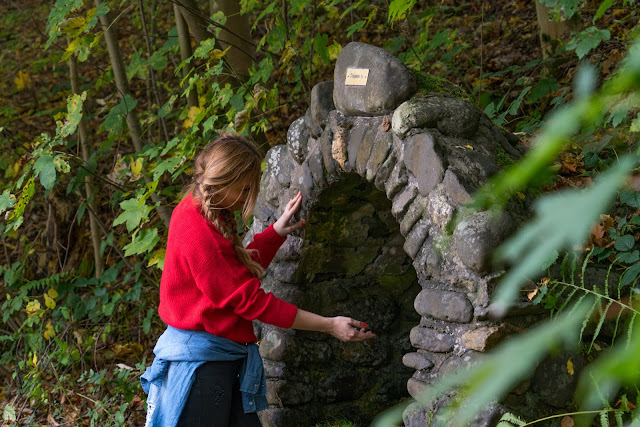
(444, 305)
(321, 102)
(417, 361)
(431, 340)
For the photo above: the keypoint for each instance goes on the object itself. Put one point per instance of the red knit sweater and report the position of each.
(204, 285)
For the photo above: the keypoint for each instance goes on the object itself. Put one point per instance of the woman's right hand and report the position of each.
(348, 329)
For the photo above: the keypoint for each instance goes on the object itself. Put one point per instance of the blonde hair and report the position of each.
(228, 160)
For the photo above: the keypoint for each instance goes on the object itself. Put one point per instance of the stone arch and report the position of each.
(424, 152)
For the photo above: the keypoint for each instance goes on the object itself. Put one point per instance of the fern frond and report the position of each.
(619, 421)
(600, 323)
(630, 330)
(47, 282)
(510, 420)
(604, 419)
(584, 267)
(596, 303)
(568, 299)
(563, 267)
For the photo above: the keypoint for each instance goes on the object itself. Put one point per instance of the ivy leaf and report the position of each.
(132, 215)
(142, 242)
(46, 171)
(631, 198)
(624, 243)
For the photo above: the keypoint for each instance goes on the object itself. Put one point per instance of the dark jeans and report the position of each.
(215, 399)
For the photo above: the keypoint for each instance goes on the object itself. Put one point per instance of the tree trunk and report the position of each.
(120, 77)
(86, 154)
(549, 31)
(185, 52)
(195, 19)
(241, 55)
(198, 24)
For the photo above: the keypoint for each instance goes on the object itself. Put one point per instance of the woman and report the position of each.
(207, 369)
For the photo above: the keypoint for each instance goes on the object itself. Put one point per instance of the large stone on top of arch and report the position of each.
(387, 84)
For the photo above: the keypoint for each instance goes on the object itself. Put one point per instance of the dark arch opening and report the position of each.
(353, 263)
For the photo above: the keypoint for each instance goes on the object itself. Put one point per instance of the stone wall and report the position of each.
(385, 168)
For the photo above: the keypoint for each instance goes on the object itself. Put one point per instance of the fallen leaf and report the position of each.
(596, 346)
(567, 421)
(570, 371)
(531, 295)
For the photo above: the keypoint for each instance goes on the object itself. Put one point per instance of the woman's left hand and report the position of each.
(282, 226)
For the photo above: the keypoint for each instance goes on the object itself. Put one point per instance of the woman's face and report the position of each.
(234, 197)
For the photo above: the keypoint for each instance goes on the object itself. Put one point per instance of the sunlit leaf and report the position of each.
(132, 215)
(142, 242)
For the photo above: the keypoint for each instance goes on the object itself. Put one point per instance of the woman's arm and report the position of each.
(343, 328)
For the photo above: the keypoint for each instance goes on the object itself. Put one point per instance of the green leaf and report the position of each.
(513, 108)
(398, 9)
(630, 274)
(113, 121)
(142, 242)
(56, 17)
(604, 6)
(46, 171)
(137, 67)
(202, 51)
(352, 29)
(74, 113)
(9, 413)
(7, 200)
(158, 60)
(544, 87)
(320, 46)
(631, 198)
(624, 243)
(133, 214)
(563, 220)
(168, 106)
(629, 257)
(587, 40)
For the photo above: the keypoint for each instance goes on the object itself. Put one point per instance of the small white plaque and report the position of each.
(357, 76)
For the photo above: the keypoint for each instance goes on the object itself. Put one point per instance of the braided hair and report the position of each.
(227, 160)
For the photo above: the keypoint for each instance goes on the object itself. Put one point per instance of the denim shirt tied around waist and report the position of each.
(178, 354)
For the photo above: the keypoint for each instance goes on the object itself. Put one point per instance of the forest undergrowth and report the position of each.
(75, 333)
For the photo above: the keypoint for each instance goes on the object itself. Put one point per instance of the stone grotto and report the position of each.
(385, 159)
